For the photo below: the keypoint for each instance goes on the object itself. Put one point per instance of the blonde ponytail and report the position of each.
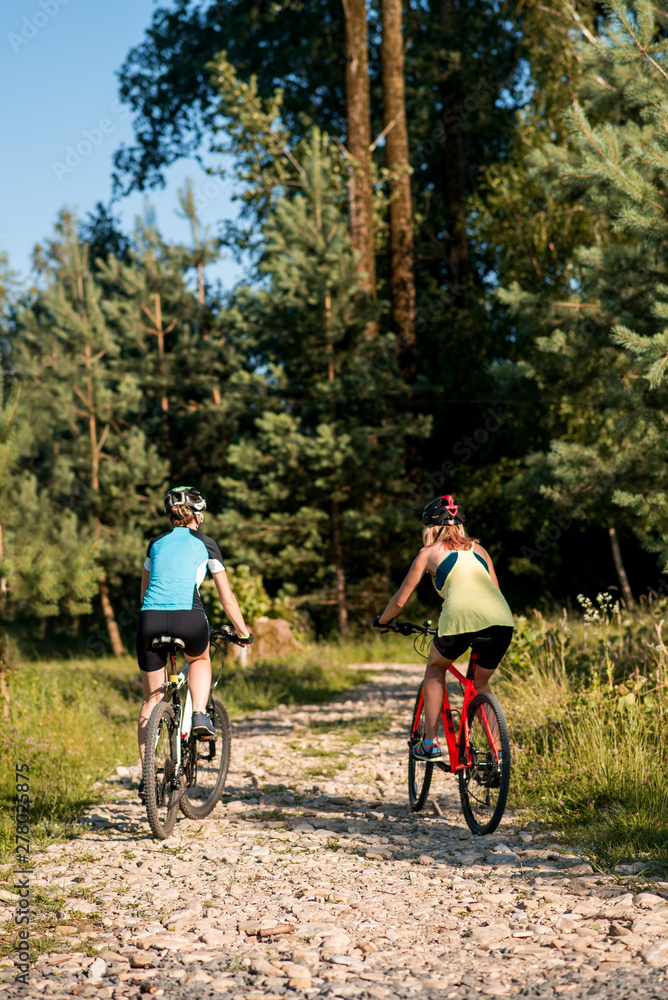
(452, 536)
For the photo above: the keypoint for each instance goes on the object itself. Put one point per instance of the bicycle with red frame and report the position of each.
(478, 748)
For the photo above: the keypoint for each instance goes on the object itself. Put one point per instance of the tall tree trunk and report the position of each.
(454, 160)
(359, 140)
(619, 566)
(108, 612)
(402, 280)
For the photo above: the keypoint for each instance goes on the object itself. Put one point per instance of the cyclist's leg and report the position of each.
(434, 691)
(151, 668)
(152, 681)
(489, 653)
(481, 679)
(193, 628)
(199, 679)
(487, 658)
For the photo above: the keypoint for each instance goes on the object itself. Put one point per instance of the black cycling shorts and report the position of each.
(190, 626)
(489, 653)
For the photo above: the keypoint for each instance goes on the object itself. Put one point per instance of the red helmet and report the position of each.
(443, 510)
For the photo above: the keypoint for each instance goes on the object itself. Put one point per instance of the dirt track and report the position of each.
(315, 840)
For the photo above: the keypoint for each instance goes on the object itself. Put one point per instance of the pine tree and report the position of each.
(609, 426)
(87, 450)
(192, 378)
(47, 568)
(315, 489)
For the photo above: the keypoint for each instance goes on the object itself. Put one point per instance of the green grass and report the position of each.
(590, 736)
(72, 723)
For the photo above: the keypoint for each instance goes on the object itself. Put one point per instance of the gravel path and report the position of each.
(314, 879)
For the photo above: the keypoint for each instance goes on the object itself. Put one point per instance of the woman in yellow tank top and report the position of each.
(473, 608)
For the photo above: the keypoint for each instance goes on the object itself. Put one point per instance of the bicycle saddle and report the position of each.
(171, 643)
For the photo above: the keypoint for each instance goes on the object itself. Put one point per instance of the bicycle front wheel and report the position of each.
(483, 787)
(206, 766)
(160, 762)
(419, 772)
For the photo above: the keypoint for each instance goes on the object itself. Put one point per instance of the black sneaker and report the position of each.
(141, 792)
(203, 728)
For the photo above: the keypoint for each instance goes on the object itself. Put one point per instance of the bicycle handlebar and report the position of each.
(225, 634)
(408, 628)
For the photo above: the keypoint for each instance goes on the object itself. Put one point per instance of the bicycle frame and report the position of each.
(172, 687)
(458, 739)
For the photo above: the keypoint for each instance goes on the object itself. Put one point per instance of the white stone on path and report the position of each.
(490, 935)
(97, 969)
(656, 955)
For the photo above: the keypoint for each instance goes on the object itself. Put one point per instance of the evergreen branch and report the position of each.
(84, 399)
(583, 27)
(103, 437)
(644, 49)
(381, 135)
(578, 305)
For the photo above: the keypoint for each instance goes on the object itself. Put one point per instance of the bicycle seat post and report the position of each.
(172, 645)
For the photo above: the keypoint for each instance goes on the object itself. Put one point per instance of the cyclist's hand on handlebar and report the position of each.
(244, 640)
(387, 626)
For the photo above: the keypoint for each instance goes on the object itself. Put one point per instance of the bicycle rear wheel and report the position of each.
(483, 787)
(206, 765)
(419, 772)
(160, 761)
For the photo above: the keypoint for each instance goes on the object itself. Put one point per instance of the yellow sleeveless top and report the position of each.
(471, 599)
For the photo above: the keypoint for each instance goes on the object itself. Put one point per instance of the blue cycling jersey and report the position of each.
(178, 561)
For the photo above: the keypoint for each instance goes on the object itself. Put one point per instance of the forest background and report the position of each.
(453, 226)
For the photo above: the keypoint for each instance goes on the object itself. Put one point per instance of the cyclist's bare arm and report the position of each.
(145, 577)
(416, 572)
(230, 603)
(488, 559)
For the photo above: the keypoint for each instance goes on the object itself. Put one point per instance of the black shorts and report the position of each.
(489, 653)
(191, 626)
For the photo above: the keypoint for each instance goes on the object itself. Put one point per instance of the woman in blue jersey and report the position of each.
(175, 566)
(473, 608)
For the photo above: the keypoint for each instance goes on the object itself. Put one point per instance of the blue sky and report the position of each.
(58, 63)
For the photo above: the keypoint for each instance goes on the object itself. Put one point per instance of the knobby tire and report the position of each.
(162, 797)
(419, 772)
(483, 787)
(200, 799)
